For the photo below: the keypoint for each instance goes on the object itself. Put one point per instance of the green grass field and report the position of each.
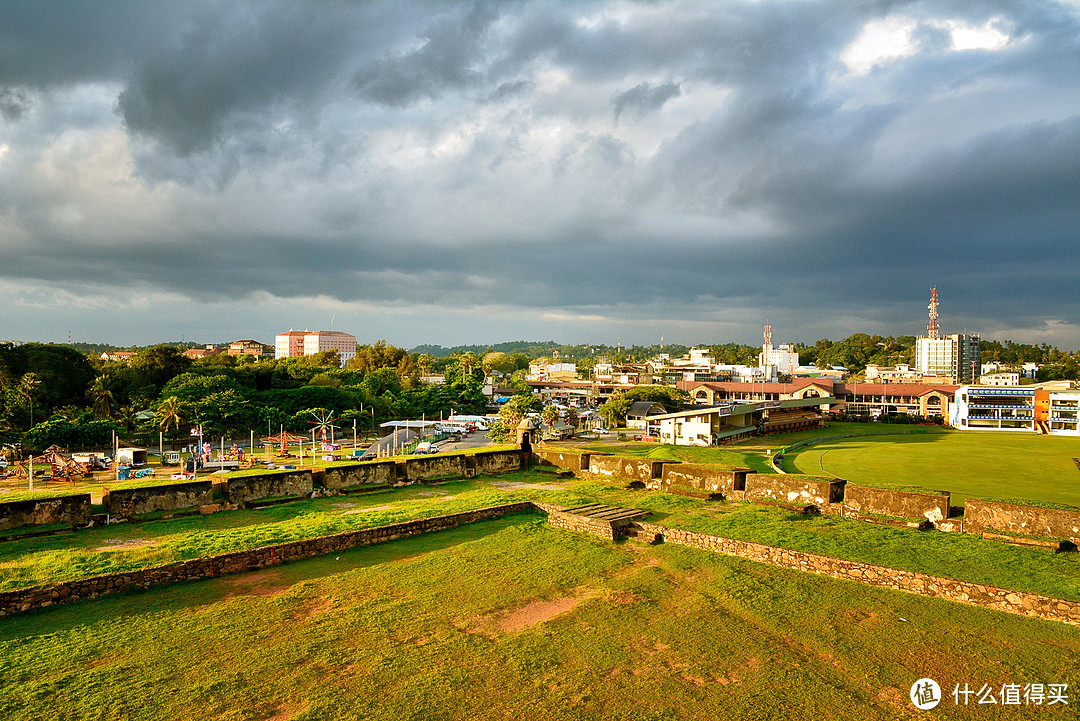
(1002, 465)
(509, 619)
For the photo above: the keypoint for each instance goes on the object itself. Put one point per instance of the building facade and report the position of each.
(296, 343)
(1022, 408)
(955, 356)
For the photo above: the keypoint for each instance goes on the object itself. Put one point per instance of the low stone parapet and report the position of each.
(714, 479)
(980, 516)
(45, 509)
(165, 496)
(934, 507)
(793, 488)
(273, 484)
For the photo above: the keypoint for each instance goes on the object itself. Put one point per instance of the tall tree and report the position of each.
(171, 414)
(28, 387)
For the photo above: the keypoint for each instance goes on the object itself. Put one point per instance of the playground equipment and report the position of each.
(324, 424)
(63, 466)
(282, 440)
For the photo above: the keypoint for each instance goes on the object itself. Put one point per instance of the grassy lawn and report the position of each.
(1021, 466)
(510, 619)
(39, 561)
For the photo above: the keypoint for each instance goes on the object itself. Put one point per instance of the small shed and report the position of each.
(131, 456)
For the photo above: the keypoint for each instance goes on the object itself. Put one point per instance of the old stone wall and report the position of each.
(238, 561)
(419, 469)
(645, 470)
(71, 508)
(980, 516)
(976, 594)
(576, 462)
(792, 488)
(239, 489)
(336, 478)
(494, 461)
(715, 479)
(163, 497)
(902, 504)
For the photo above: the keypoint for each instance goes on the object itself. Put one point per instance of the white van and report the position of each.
(426, 448)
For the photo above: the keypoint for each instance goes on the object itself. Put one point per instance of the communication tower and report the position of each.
(932, 327)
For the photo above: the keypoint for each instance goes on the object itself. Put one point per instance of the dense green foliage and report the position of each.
(77, 402)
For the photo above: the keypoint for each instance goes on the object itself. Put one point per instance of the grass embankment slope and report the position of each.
(512, 619)
(1021, 466)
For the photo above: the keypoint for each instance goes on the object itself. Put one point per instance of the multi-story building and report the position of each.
(1021, 408)
(300, 343)
(955, 356)
(249, 347)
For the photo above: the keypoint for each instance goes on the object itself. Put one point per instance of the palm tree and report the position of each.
(171, 413)
(126, 415)
(101, 396)
(27, 387)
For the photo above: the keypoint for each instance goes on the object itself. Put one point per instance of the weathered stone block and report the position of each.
(902, 504)
(792, 488)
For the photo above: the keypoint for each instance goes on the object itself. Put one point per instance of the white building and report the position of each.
(1003, 378)
(296, 343)
(776, 361)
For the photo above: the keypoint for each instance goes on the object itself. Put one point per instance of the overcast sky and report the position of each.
(579, 171)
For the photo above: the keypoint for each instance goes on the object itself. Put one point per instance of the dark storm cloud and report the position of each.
(449, 59)
(514, 154)
(238, 68)
(645, 97)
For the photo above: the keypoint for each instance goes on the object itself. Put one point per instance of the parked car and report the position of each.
(601, 430)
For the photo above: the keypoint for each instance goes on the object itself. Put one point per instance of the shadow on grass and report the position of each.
(114, 609)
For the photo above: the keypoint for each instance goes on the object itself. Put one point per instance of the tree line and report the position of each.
(54, 394)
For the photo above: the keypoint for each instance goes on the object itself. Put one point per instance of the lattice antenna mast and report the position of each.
(932, 327)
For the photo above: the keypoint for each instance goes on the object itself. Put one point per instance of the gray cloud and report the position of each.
(646, 97)
(393, 155)
(13, 103)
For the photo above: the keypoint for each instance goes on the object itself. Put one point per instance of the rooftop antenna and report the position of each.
(932, 327)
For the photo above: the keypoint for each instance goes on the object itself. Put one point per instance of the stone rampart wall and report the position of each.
(814, 490)
(240, 489)
(71, 508)
(716, 479)
(495, 461)
(645, 470)
(163, 497)
(238, 561)
(981, 516)
(336, 478)
(576, 462)
(902, 504)
(420, 469)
